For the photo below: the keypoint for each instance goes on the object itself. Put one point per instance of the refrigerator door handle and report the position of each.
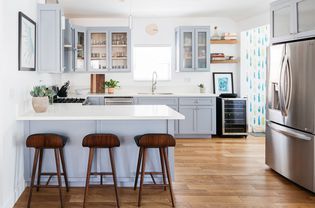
(281, 86)
(289, 132)
(289, 80)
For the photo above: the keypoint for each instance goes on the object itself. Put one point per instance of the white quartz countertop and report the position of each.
(77, 111)
(139, 94)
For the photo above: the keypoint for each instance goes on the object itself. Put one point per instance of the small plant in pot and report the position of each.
(111, 85)
(202, 88)
(40, 100)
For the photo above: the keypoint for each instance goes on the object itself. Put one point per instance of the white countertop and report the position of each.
(139, 94)
(78, 111)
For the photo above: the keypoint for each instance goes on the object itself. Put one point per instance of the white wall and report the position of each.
(180, 81)
(255, 21)
(14, 89)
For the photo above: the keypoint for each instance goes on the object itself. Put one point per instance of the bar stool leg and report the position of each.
(64, 168)
(138, 168)
(33, 177)
(168, 176)
(58, 175)
(41, 154)
(142, 175)
(162, 166)
(114, 174)
(88, 174)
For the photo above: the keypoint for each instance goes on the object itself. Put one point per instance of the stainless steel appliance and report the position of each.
(119, 100)
(290, 111)
(231, 117)
(109, 101)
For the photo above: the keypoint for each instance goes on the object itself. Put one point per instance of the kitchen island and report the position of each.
(75, 121)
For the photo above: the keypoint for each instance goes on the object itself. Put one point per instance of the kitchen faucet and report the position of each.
(154, 82)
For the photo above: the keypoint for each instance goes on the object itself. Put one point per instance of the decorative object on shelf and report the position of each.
(223, 82)
(215, 35)
(152, 29)
(97, 81)
(202, 88)
(111, 85)
(27, 43)
(229, 36)
(40, 98)
(222, 58)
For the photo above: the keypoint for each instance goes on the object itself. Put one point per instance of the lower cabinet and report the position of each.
(198, 120)
(199, 112)
(187, 126)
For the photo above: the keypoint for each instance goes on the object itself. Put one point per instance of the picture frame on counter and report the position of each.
(223, 82)
(26, 43)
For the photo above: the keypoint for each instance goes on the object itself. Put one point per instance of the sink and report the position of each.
(157, 93)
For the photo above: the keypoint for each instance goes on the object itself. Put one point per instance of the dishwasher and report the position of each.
(118, 100)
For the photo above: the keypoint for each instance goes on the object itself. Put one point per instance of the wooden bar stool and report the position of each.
(161, 141)
(94, 141)
(41, 142)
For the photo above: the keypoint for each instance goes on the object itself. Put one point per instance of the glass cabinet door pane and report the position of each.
(187, 50)
(98, 52)
(282, 21)
(80, 55)
(119, 50)
(202, 50)
(306, 15)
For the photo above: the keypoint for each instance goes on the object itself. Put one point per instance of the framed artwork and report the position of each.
(223, 82)
(27, 43)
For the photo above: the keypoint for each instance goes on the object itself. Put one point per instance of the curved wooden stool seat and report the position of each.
(93, 141)
(161, 141)
(41, 142)
(101, 141)
(47, 141)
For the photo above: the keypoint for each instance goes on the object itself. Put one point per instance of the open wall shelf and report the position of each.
(224, 41)
(224, 62)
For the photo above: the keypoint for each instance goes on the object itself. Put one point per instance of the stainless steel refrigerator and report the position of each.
(291, 111)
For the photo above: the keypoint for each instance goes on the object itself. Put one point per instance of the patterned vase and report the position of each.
(40, 104)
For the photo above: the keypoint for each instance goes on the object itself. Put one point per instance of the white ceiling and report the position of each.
(234, 9)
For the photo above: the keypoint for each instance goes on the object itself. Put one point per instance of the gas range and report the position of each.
(69, 100)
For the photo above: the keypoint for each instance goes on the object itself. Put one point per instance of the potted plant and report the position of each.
(202, 88)
(40, 100)
(111, 85)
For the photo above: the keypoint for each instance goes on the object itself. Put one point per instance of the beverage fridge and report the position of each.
(291, 111)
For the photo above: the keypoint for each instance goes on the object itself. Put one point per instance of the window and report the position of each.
(148, 59)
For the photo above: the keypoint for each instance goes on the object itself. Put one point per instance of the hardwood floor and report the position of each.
(209, 173)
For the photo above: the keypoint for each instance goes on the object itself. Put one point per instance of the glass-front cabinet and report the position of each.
(109, 50)
(193, 49)
(98, 50)
(80, 49)
(187, 50)
(119, 51)
(292, 20)
(202, 42)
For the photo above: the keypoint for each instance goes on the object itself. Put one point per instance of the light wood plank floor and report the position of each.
(209, 173)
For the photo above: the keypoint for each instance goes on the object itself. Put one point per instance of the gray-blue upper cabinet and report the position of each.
(192, 49)
(108, 49)
(80, 47)
(50, 25)
(98, 50)
(292, 20)
(119, 49)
